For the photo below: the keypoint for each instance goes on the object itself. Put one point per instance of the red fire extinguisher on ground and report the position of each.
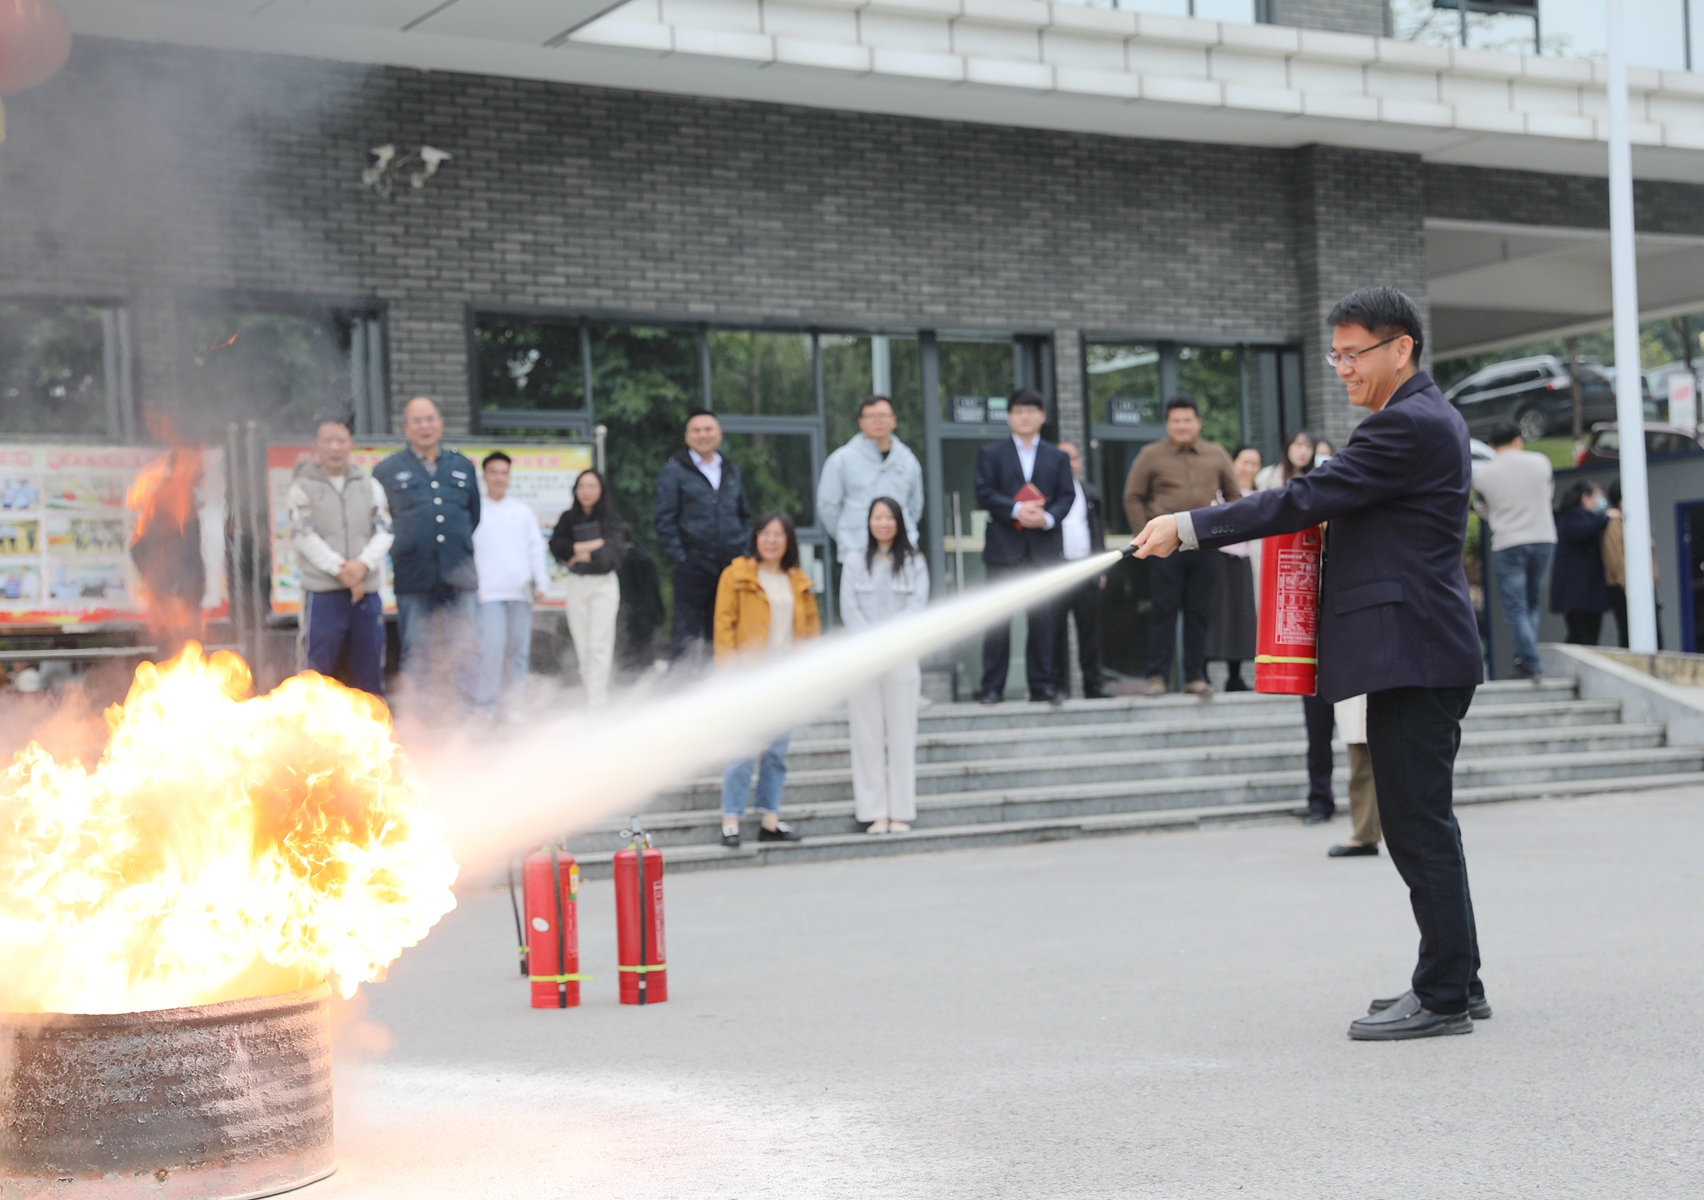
(550, 880)
(639, 921)
(1286, 660)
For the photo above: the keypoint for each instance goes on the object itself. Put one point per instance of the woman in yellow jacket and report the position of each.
(764, 606)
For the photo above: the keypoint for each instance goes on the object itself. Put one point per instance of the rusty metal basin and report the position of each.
(216, 1102)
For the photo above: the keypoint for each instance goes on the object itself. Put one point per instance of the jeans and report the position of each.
(1520, 572)
(336, 633)
(1181, 583)
(437, 623)
(1413, 734)
(505, 645)
(771, 777)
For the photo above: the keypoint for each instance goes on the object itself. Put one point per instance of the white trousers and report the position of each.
(884, 745)
(593, 601)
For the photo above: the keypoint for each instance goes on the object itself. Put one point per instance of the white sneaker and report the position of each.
(877, 827)
(898, 827)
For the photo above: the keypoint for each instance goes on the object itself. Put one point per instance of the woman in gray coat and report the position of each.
(888, 579)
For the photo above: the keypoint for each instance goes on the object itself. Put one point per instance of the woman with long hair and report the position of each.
(888, 580)
(1579, 590)
(1231, 625)
(764, 607)
(590, 539)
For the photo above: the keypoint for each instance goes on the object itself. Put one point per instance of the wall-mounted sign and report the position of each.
(1125, 411)
(65, 533)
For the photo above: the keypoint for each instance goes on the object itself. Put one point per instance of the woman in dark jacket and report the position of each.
(590, 540)
(1578, 589)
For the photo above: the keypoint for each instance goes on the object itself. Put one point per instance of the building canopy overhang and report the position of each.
(1009, 62)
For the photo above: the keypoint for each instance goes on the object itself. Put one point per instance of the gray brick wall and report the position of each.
(1531, 198)
(146, 172)
(1068, 386)
(1344, 16)
(1359, 220)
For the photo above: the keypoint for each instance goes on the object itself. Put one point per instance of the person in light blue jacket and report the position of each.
(874, 463)
(887, 579)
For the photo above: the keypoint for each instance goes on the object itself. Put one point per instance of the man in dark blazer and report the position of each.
(1395, 622)
(1022, 535)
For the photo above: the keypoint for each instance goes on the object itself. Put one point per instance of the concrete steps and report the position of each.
(1023, 772)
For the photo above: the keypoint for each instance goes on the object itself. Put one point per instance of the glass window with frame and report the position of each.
(1212, 375)
(976, 378)
(281, 368)
(1123, 383)
(528, 363)
(775, 470)
(847, 378)
(53, 370)
(762, 374)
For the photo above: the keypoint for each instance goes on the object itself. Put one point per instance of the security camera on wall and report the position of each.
(431, 159)
(384, 167)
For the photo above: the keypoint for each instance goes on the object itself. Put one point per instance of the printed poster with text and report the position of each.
(541, 476)
(65, 533)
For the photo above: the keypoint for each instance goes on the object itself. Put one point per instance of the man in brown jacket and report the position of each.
(1177, 475)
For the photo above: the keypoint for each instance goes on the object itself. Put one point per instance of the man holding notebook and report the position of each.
(1024, 484)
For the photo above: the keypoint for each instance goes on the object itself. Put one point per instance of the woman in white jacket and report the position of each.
(888, 579)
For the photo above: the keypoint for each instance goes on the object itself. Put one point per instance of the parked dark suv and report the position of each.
(1534, 393)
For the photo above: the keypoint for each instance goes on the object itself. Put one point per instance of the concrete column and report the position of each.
(1071, 404)
(429, 357)
(1359, 221)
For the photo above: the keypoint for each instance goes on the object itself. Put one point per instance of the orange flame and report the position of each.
(225, 846)
(165, 490)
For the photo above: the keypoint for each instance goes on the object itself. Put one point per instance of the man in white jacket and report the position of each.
(874, 463)
(508, 552)
(340, 525)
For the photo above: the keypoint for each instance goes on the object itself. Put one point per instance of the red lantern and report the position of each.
(35, 41)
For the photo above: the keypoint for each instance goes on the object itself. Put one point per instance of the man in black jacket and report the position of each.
(1395, 621)
(434, 503)
(1022, 535)
(703, 522)
(1083, 532)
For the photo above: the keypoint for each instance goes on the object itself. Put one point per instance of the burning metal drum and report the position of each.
(214, 1102)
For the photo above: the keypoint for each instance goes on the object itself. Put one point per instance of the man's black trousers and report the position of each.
(1083, 605)
(1038, 648)
(1413, 734)
(1180, 583)
(1320, 719)
(695, 583)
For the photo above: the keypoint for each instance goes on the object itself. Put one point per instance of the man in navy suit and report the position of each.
(1022, 535)
(1395, 622)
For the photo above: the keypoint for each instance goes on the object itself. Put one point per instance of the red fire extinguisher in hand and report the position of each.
(639, 921)
(1286, 660)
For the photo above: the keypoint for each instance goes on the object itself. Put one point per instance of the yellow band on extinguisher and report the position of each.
(1278, 658)
(556, 978)
(642, 970)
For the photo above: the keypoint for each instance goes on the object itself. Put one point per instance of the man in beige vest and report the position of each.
(340, 524)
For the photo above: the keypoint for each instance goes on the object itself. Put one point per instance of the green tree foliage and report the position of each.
(529, 364)
(281, 369)
(52, 370)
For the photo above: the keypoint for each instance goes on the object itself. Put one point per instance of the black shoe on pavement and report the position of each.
(782, 832)
(990, 698)
(1364, 849)
(1048, 697)
(1403, 1021)
(1478, 1007)
(1315, 817)
(1096, 693)
(731, 840)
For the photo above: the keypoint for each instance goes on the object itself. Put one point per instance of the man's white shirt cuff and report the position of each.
(1186, 532)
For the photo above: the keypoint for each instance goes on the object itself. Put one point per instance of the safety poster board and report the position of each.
(541, 476)
(65, 533)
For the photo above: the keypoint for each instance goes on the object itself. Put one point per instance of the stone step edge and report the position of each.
(969, 768)
(680, 818)
(595, 865)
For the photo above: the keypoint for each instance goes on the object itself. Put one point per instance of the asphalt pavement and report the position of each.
(1159, 1015)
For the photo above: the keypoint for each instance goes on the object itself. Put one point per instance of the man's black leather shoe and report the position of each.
(1405, 1019)
(1315, 817)
(1342, 851)
(1478, 1007)
(990, 698)
(1096, 693)
(1048, 697)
